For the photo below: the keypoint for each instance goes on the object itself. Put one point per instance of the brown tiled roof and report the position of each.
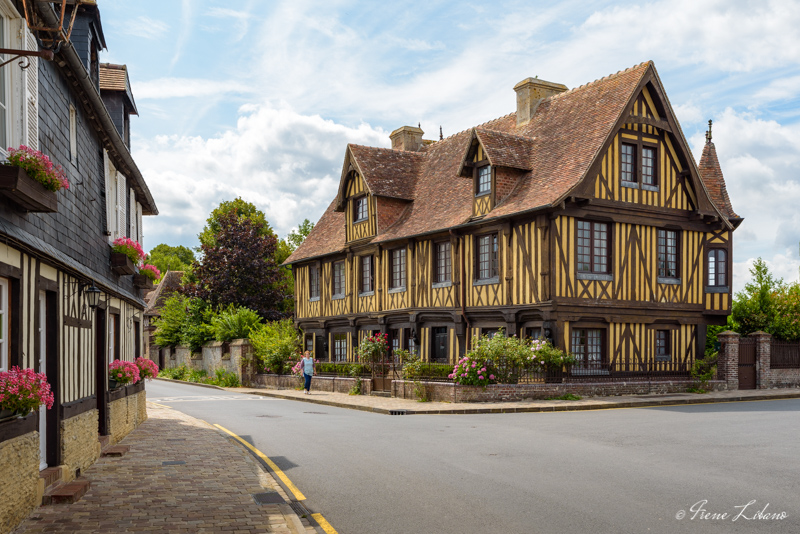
(557, 147)
(388, 173)
(169, 283)
(506, 150)
(113, 77)
(327, 236)
(711, 173)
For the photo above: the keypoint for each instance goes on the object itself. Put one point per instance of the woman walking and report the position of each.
(308, 371)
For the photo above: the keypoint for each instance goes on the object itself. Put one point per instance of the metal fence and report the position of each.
(785, 355)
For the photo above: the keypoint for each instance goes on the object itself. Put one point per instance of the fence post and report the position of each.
(763, 357)
(728, 361)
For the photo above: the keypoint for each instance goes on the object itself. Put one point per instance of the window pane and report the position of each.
(584, 247)
(600, 258)
(627, 163)
(443, 262)
(484, 179)
(483, 257)
(648, 166)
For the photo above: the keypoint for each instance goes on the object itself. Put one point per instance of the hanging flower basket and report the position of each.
(27, 193)
(121, 264)
(142, 281)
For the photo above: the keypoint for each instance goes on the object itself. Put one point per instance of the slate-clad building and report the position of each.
(51, 259)
(581, 217)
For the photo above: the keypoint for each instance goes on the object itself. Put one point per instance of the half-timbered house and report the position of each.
(582, 217)
(63, 311)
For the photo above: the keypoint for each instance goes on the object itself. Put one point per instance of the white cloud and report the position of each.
(287, 164)
(144, 27)
(186, 87)
(780, 89)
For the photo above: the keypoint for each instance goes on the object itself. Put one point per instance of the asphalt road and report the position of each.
(606, 471)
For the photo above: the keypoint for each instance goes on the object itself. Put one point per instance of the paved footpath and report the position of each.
(387, 405)
(211, 492)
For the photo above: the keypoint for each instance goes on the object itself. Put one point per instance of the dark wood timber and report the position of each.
(122, 264)
(19, 427)
(75, 408)
(26, 192)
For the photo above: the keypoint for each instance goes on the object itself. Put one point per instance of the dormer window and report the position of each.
(361, 211)
(484, 185)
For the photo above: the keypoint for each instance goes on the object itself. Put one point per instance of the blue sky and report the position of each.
(258, 99)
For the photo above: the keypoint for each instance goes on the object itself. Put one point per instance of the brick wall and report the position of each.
(389, 211)
(505, 181)
(449, 392)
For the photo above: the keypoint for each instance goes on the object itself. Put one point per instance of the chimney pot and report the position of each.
(530, 93)
(407, 138)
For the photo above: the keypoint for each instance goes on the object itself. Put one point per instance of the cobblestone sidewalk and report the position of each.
(211, 492)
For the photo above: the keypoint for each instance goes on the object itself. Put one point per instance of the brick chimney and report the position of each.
(530, 93)
(407, 138)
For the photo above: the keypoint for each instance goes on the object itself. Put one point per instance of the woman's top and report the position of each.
(308, 366)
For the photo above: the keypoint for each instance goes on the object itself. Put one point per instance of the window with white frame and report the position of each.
(4, 330)
(18, 88)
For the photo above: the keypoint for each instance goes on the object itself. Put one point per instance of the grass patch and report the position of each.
(566, 396)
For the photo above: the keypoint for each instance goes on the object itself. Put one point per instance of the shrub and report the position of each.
(129, 247)
(196, 375)
(373, 348)
(703, 370)
(23, 390)
(147, 368)
(197, 330)
(469, 371)
(169, 327)
(502, 355)
(123, 372)
(176, 373)
(226, 379)
(543, 357)
(235, 323)
(38, 167)
(274, 343)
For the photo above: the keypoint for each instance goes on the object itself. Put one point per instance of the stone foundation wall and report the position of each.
(449, 392)
(80, 447)
(213, 356)
(125, 415)
(19, 466)
(782, 378)
(333, 384)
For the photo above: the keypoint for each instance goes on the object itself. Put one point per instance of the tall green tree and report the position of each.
(241, 209)
(754, 308)
(296, 238)
(169, 258)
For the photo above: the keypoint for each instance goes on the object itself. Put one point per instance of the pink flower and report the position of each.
(480, 376)
(491, 377)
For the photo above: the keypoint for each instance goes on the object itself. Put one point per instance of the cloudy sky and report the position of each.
(258, 98)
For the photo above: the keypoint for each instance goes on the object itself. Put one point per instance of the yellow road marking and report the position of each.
(297, 493)
(322, 522)
(159, 405)
(665, 405)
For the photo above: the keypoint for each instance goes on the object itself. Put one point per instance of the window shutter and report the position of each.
(139, 224)
(110, 197)
(121, 201)
(31, 135)
(134, 230)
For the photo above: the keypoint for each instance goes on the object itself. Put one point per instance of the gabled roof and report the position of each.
(115, 78)
(169, 283)
(386, 172)
(558, 147)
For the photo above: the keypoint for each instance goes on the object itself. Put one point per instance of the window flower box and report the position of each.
(142, 281)
(16, 185)
(122, 264)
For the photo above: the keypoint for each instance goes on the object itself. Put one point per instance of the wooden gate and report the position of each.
(747, 363)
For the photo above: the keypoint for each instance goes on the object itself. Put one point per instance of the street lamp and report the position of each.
(93, 296)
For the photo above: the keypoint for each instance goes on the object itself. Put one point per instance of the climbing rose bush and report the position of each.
(39, 167)
(373, 348)
(23, 390)
(147, 368)
(129, 247)
(124, 372)
(469, 371)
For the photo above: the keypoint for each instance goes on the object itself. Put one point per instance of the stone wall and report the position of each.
(80, 447)
(214, 355)
(449, 392)
(19, 465)
(125, 415)
(334, 384)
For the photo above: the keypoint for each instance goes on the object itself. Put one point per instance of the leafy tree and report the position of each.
(242, 210)
(169, 327)
(235, 323)
(295, 238)
(239, 268)
(276, 343)
(197, 329)
(754, 307)
(168, 258)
